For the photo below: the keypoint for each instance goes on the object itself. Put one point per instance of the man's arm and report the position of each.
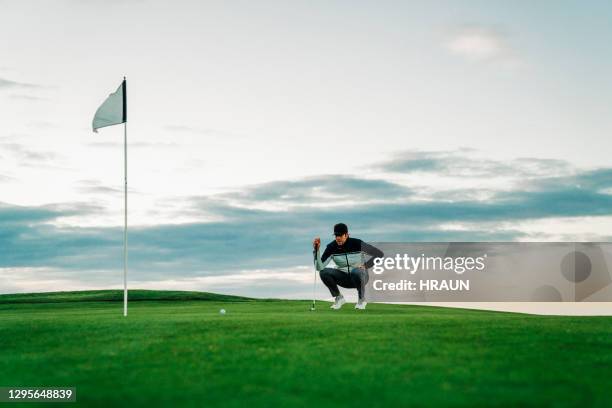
(373, 252)
(322, 260)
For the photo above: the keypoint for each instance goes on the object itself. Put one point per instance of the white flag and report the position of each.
(114, 109)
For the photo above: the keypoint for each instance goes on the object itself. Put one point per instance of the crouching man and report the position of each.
(351, 267)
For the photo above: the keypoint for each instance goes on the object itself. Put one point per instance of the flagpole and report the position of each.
(125, 256)
(108, 114)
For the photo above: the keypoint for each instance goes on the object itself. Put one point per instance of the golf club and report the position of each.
(314, 283)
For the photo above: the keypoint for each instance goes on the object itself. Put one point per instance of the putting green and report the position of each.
(271, 353)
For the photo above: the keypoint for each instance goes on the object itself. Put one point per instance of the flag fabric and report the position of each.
(114, 109)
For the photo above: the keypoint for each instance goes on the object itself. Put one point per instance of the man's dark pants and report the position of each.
(357, 278)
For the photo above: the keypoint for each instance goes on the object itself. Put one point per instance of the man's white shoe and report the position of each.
(361, 305)
(338, 303)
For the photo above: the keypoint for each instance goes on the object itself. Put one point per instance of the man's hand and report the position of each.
(316, 243)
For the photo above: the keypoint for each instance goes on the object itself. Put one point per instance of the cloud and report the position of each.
(597, 180)
(253, 237)
(326, 190)
(17, 216)
(97, 187)
(31, 98)
(199, 131)
(10, 84)
(257, 282)
(27, 157)
(481, 43)
(4, 178)
(104, 190)
(43, 124)
(113, 145)
(23, 153)
(97, 3)
(258, 238)
(255, 240)
(460, 163)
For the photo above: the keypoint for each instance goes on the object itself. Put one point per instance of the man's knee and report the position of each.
(326, 273)
(359, 274)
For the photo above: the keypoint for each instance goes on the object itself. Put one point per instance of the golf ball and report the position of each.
(222, 311)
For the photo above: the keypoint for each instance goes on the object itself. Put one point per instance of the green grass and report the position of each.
(114, 295)
(278, 353)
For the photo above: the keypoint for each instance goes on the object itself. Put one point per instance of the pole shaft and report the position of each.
(314, 282)
(125, 290)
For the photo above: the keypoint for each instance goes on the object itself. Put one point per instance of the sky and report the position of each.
(255, 126)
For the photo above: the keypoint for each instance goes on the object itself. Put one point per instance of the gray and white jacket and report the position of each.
(350, 255)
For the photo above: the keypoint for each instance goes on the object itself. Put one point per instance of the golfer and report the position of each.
(351, 267)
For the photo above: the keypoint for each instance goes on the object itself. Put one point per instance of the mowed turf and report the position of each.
(278, 353)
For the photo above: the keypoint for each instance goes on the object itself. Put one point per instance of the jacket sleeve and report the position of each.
(321, 261)
(373, 252)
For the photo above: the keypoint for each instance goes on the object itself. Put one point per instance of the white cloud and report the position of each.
(288, 283)
(8, 83)
(43, 279)
(481, 43)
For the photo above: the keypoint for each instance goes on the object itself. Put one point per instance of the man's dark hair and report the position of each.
(340, 229)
